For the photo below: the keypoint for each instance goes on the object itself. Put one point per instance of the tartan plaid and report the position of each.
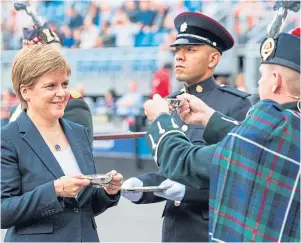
(255, 179)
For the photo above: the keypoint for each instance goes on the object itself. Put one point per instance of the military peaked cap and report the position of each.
(199, 29)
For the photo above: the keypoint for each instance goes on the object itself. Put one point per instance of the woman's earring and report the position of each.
(27, 99)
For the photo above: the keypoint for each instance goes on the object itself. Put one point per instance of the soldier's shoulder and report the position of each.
(75, 95)
(75, 98)
(233, 91)
(76, 102)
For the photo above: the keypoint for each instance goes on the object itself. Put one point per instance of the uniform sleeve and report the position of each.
(16, 207)
(151, 179)
(178, 159)
(219, 124)
(78, 112)
(218, 127)
(196, 196)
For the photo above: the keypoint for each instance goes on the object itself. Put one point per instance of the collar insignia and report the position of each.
(199, 88)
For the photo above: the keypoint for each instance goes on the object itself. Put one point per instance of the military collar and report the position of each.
(291, 106)
(201, 87)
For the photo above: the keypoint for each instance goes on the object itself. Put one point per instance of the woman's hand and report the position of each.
(114, 186)
(70, 186)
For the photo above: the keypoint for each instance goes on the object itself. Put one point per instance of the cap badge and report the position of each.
(183, 27)
(267, 48)
(199, 88)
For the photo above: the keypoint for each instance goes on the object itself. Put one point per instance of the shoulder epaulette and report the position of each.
(233, 91)
(75, 95)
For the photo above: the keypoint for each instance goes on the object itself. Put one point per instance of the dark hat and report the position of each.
(283, 51)
(199, 29)
(43, 34)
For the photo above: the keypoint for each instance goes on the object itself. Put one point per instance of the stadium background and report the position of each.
(111, 43)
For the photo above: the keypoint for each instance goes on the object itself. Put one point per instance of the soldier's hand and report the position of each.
(129, 184)
(70, 186)
(193, 110)
(154, 107)
(114, 186)
(175, 192)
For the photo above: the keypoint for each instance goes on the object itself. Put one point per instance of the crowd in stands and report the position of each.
(123, 23)
(88, 24)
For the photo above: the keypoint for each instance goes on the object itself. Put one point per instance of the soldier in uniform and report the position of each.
(255, 168)
(77, 109)
(198, 48)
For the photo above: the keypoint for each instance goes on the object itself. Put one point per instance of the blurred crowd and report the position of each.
(88, 24)
(124, 23)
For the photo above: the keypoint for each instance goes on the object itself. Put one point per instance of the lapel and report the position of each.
(34, 139)
(76, 147)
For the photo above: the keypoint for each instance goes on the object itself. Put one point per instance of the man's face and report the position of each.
(265, 82)
(191, 62)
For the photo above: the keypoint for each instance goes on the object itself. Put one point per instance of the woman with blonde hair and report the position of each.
(45, 196)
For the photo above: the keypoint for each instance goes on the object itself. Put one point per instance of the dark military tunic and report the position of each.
(188, 220)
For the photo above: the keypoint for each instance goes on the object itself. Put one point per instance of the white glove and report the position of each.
(131, 183)
(175, 193)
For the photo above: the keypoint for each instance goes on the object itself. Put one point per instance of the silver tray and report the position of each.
(145, 189)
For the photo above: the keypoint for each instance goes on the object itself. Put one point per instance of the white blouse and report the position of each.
(67, 161)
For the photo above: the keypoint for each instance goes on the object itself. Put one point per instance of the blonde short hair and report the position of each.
(34, 61)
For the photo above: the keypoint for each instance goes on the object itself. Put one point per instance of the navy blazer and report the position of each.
(30, 209)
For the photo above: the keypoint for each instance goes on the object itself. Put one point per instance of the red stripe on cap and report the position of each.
(296, 32)
(212, 20)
